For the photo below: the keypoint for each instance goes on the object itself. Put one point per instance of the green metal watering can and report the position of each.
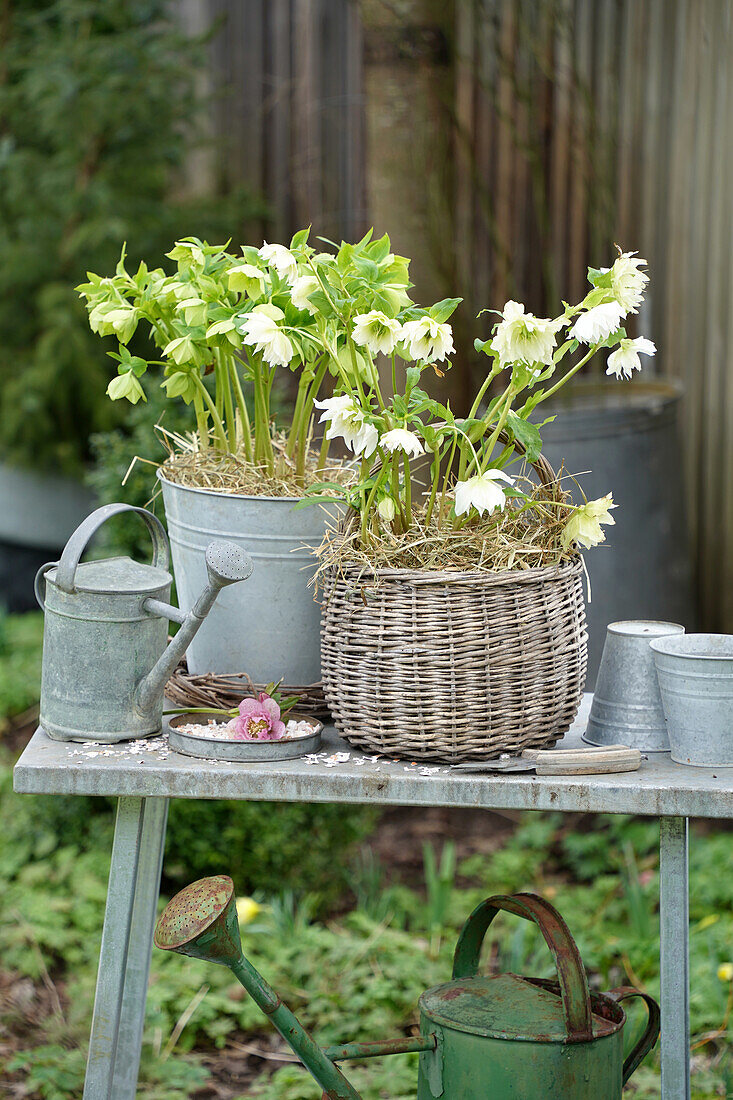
(506, 1036)
(106, 655)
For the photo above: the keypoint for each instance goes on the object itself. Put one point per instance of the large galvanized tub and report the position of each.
(270, 627)
(623, 437)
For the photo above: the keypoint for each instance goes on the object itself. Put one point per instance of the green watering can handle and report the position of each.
(651, 1033)
(77, 543)
(570, 970)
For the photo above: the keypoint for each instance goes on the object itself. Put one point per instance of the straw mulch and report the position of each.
(517, 538)
(188, 465)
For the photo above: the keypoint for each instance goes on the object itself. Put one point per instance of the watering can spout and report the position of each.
(226, 563)
(201, 921)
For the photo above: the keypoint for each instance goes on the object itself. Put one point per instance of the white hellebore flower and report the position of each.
(282, 259)
(596, 324)
(625, 359)
(523, 338)
(399, 439)
(627, 281)
(584, 526)
(427, 339)
(482, 493)
(302, 288)
(347, 420)
(260, 330)
(376, 331)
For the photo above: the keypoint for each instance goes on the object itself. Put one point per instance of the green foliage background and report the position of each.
(99, 106)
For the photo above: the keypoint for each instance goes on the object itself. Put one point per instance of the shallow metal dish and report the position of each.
(241, 751)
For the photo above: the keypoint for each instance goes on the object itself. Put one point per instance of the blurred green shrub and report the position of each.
(99, 107)
(20, 662)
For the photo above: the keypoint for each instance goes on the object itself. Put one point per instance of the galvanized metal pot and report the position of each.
(504, 1037)
(696, 683)
(272, 632)
(627, 707)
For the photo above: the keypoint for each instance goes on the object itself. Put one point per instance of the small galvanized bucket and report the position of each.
(696, 683)
(626, 707)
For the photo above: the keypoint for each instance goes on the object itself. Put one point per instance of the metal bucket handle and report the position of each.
(77, 544)
(570, 971)
(651, 1032)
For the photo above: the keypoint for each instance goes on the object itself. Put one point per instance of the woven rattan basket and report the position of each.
(454, 666)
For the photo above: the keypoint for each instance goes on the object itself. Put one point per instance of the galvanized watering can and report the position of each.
(506, 1036)
(106, 659)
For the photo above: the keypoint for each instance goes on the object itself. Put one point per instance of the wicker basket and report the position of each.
(454, 666)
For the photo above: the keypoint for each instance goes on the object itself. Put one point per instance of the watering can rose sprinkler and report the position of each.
(106, 655)
(503, 1036)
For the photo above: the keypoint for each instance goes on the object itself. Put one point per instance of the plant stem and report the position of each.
(297, 411)
(380, 480)
(202, 425)
(568, 376)
(396, 497)
(408, 492)
(446, 478)
(228, 403)
(507, 398)
(484, 386)
(242, 406)
(219, 433)
(434, 490)
(323, 453)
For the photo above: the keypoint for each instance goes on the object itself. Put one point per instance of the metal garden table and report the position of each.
(144, 782)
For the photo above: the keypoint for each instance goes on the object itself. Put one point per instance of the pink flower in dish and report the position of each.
(259, 720)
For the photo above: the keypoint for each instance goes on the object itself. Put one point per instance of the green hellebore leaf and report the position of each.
(597, 297)
(599, 278)
(126, 385)
(441, 311)
(220, 328)
(300, 238)
(344, 256)
(412, 377)
(527, 434)
(379, 250)
(484, 346)
(128, 362)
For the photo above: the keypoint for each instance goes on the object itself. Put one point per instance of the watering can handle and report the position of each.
(651, 1032)
(77, 544)
(569, 965)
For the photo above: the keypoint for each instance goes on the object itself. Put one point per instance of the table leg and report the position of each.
(124, 958)
(675, 962)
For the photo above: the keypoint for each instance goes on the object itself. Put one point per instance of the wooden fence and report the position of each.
(575, 123)
(583, 122)
(286, 90)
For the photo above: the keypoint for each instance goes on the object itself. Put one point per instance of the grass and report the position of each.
(354, 971)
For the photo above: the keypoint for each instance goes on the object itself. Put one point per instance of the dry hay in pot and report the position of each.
(518, 538)
(193, 468)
